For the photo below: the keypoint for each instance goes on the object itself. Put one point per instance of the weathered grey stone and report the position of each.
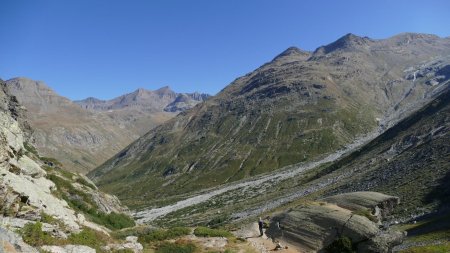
(315, 225)
(30, 167)
(11, 242)
(68, 249)
(380, 204)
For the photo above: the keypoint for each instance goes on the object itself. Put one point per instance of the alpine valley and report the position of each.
(342, 149)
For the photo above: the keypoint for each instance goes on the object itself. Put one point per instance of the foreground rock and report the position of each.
(131, 244)
(69, 249)
(315, 225)
(12, 243)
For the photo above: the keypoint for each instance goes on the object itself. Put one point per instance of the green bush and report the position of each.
(167, 247)
(89, 237)
(217, 221)
(210, 232)
(162, 234)
(112, 220)
(84, 182)
(30, 148)
(33, 235)
(47, 218)
(85, 237)
(341, 245)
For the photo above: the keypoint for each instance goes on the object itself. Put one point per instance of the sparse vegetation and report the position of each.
(30, 148)
(340, 245)
(84, 182)
(33, 235)
(82, 202)
(177, 247)
(165, 234)
(210, 232)
(441, 248)
(89, 237)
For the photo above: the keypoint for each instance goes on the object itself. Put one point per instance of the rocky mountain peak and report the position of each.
(292, 54)
(349, 41)
(27, 85)
(408, 38)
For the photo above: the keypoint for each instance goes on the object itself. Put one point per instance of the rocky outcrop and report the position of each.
(11, 242)
(68, 249)
(185, 102)
(31, 193)
(25, 192)
(379, 205)
(131, 244)
(315, 225)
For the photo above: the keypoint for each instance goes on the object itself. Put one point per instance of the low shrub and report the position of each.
(47, 218)
(165, 234)
(341, 245)
(84, 182)
(33, 235)
(210, 232)
(89, 237)
(112, 220)
(177, 247)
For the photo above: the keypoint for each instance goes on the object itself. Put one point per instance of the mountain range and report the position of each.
(84, 134)
(299, 107)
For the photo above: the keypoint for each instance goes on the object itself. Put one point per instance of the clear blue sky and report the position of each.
(106, 48)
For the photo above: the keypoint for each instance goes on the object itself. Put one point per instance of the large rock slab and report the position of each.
(315, 225)
(380, 204)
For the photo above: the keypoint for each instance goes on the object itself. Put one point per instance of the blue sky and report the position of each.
(106, 48)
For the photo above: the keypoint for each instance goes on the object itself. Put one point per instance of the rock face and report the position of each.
(84, 134)
(12, 243)
(296, 108)
(22, 180)
(315, 225)
(29, 194)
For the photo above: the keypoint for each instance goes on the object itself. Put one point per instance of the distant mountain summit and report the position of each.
(146, 100)
(83, 134)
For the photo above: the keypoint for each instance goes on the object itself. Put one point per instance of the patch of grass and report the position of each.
(165, 234)
(112, 220)
(84, 182)
(441, 248)
(89, 237)
(177, 247)
(432, 229)
(47, 218)
(33, 235)
(210, 232)
(82, 202)
(30, 148)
